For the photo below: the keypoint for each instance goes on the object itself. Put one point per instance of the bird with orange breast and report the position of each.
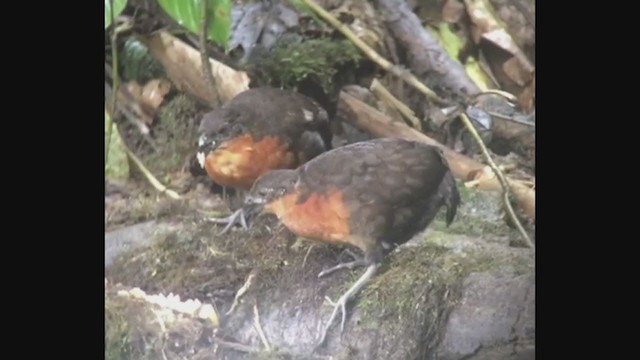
(260, 129)
(372, 195)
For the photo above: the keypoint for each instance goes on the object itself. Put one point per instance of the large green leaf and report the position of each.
(188, 13)
(118, 6)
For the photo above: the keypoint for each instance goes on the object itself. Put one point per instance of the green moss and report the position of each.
(401, 282)
(479, 214)
(317, 60)
(123, 340)
(116, 327)
(429, 274)
(176, 136)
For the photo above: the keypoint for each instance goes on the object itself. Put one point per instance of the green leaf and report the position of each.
(188, 13)
(118, 6)
(450, 40)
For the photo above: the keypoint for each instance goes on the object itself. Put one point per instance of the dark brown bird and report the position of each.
(260, 129)
(372, 195)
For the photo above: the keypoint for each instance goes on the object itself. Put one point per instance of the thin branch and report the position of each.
(247, 285)
(413, 81)
(254, 350)
(152, 179)
(503, 181)
(304, 261)
(385, 95)
(510, 118)
(256, 321)
(373, 55)
(236, 346)
(214, 99)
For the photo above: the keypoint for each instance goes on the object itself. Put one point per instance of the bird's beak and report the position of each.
(252, 208)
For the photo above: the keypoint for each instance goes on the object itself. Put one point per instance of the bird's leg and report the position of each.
(358, 261)
(342, 302)
(348, 265)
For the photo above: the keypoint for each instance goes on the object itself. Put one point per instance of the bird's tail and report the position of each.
(451, 196)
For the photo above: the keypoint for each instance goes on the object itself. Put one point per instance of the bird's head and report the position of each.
(213, 129)
(269, 187)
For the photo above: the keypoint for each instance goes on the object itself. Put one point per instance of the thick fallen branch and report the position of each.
(372, 54)
(182, 64)
(430, 61)
(426, 57)
(371, 120)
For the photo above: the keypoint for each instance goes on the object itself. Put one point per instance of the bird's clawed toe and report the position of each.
(237, 217)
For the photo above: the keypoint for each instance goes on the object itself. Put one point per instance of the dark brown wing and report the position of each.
(267, 111)
(392, 187)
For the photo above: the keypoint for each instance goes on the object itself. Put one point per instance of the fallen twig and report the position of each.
(304, 261)
(412, 80)
(511, 118)
(152, 179)
(503, 180)
(247, 285)
(373, 55)
(256, 324)
(254, 350)
(385, 95)
(236, 346)
(425, 56)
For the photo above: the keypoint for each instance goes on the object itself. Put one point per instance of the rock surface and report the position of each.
(442, 296)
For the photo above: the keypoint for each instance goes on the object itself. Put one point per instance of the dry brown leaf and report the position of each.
(183, 67)
(452, 11)
(515, 71)
(475, 177)
(154, 92)
(481, 17)
(527, 97)
(488, 28)
(134, 89)
(130, 99)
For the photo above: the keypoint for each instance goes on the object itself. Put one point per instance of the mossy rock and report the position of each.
(402, 313)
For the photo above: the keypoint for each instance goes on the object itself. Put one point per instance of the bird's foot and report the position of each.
(236, 217)
(341, 304)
